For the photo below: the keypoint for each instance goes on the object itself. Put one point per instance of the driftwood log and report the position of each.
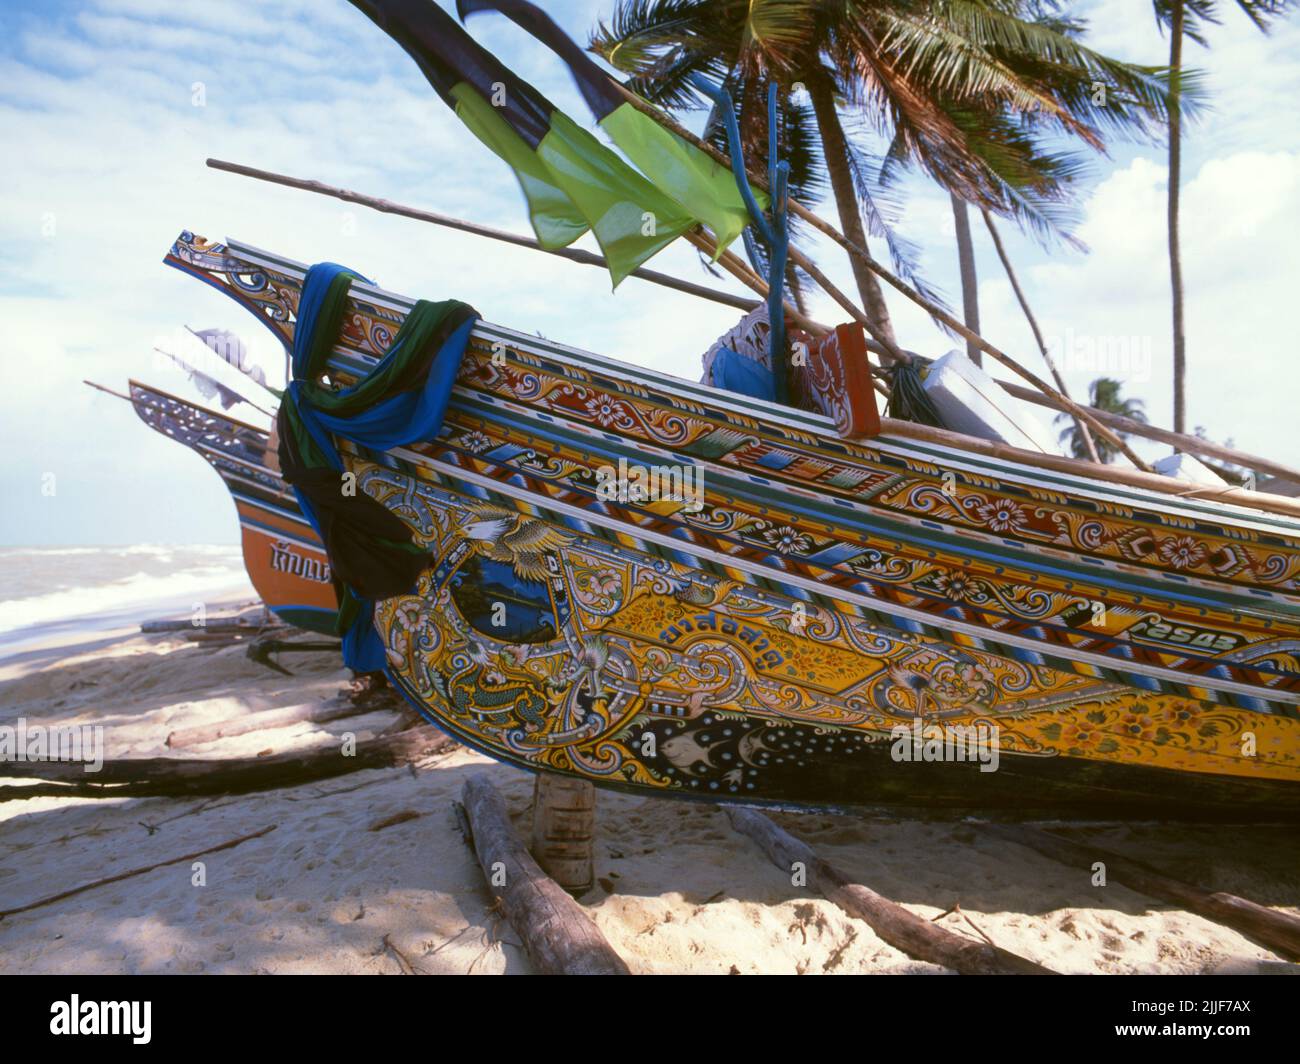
(1275, 930)
(901, 928)
(174, 777)
(314, 712)
(564, 823)
(559, 937)
(242, 623)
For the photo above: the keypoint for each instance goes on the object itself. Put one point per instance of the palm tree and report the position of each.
(970, 300)
(1186, 18)
(968, 92)
(1085, 434)
(1105, 395)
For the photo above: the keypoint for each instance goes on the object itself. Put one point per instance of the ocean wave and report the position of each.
(137, 590)
(47, 552)
(127, 551)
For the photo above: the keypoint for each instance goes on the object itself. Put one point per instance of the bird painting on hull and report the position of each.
(514, 539)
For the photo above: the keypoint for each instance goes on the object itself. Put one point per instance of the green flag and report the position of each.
(571, 181)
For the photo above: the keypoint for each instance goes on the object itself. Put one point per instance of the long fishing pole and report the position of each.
(586, 258)
(861, 255)
(1191, 444)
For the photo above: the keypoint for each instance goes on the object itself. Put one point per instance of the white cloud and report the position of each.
(111, 169)
(1239, 214)
(103, 142)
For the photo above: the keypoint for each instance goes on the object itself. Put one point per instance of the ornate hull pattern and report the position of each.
(808, 620)
(284, 557)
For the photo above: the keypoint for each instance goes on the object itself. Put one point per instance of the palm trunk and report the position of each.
(970, 299)
(1080, 426)
(793, 286)
(838, 168)
(1175, 177)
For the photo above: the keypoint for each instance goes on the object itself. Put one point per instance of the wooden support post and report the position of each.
(1278, 931)
(560, 938)
(901, 928)
(564, 822)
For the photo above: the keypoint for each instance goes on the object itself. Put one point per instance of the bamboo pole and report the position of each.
(1084, 432)
(1064, 401)
(879, 335)
(738, 269)
(108, 391)
(933, 309)
(1190, 444)
(586, 258)
(1230, 495)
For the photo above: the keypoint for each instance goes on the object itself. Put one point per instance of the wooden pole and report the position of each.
(1051, 399)
(1278, 931)
(1085, 433)
(308, 712)
(1191, 444)
(739, 270)
(1063, 402)
(878, 334)
(861, 255)
(901, 928)
(108, 391)
(586, 258)
(1230, 495)
(560, 938)
(564, 826)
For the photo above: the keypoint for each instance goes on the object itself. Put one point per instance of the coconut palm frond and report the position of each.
(1105, 393)
(640, 31)
(882, 206)
(1197, 14)
(780, 30)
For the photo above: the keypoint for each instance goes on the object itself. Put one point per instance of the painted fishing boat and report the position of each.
(284, 557)
(670, 588)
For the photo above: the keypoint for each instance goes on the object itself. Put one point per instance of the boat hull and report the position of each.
(284, 558)
(599, 659)
(826, 623)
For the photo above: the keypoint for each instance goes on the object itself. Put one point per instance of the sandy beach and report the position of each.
(331, 889)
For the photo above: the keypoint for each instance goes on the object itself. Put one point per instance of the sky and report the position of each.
(109, 108)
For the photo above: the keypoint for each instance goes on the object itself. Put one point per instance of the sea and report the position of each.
(64, 595)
